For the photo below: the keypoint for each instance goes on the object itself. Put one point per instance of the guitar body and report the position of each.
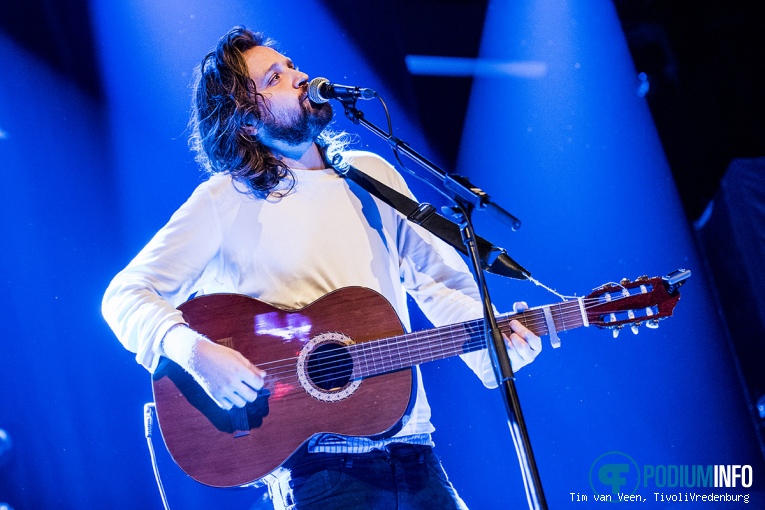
(229, 448)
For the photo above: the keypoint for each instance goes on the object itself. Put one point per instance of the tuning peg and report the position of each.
(643, 278)
(616, 330)
(624, 281)
(635, 329)
(653, 323)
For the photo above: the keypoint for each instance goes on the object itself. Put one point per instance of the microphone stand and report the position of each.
(467, 198)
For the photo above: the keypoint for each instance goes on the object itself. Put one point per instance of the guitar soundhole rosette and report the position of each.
(325, 367)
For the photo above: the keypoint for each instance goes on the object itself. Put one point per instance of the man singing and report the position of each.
(275, 222)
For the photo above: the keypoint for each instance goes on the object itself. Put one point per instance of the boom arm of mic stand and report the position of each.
(459, 185)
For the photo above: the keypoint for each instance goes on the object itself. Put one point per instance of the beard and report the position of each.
(298, 127)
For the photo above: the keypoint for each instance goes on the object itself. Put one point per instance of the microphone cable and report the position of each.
(148, 425)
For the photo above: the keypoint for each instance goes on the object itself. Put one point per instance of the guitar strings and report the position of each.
(431, 337)
(422, 342)
(414, 356)
(368, 356)
(414, 338)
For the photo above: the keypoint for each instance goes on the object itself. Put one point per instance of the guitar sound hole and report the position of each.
(330, 366)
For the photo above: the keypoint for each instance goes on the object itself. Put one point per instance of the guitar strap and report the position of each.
(493, 259)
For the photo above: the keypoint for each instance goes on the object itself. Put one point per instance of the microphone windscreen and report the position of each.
(314, 90)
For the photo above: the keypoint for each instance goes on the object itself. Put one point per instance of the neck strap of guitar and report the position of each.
(493, 259)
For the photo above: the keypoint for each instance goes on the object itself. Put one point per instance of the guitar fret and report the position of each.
(401, 342)
(359, 371)
(415, 349)
(395, 354)
(376, 359)
(382, 367)
(474, 329)
(421, 349)
(425, 353)
(441, 346)
(398, 352)
(369, 359)
(446, 340)
(572, 310)
(539, 325)
(444, 343)
(391, 366)
(412, 353)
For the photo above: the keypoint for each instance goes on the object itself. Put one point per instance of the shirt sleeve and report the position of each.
(441, 284)
(140, 302)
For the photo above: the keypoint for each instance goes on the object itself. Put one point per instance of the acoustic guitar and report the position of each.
(342, 365)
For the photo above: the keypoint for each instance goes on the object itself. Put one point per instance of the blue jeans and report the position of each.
(402, 477)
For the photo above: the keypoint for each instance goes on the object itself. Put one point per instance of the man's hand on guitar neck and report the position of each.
(226, 376)
(522, 345)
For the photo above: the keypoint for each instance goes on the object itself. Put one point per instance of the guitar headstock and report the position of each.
(643, 301)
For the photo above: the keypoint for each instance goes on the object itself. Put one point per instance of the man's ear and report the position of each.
(251, 126)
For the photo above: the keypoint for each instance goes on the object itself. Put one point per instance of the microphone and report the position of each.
(320, 90)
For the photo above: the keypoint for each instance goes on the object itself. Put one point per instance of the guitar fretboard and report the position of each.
(404, 351)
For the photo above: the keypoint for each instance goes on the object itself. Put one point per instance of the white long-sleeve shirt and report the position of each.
(326, 234)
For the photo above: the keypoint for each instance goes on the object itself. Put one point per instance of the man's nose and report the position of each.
(300, 79)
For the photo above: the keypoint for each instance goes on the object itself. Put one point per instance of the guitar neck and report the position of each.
(404, 351)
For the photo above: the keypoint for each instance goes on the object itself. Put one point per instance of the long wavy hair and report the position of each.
(224, 104)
